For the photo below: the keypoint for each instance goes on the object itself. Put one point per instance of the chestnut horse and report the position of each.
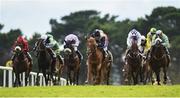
(133, 64)
(159, 59)
(20, 65)
(94, 62)
(72, 63)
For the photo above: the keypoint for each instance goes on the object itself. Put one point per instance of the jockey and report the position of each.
(149, 36)
(23, 43)
(133, 35)
(143, 44)
(102, 40)
(53, 48)
(73, 38)
(164, 38)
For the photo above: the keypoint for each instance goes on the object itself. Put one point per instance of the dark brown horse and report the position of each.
(45, 64)
(72, 64)
(133, 64)
(159, 59)
(20, 65)
(94, 62)
(106, 68)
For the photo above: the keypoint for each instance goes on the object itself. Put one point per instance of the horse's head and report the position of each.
(18, 50)
(19, 53)
(158, 48)
(68, 48)
(134, 51)
(158, 42)
(91, 43)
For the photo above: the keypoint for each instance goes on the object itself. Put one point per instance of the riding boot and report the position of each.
(167, 52)
(60, 58)
(106, 53)
(79, 55)
(13, 57)
(53, 65)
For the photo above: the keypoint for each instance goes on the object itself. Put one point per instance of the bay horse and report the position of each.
(133, 64)
(159, 59)
(106, 68)
(20, 65)
(45, 64)
(94, 62)
(72, 64)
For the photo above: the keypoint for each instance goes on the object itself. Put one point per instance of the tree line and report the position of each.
(82, 23)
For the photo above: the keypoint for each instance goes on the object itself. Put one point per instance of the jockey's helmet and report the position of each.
(49, 36)
(134, 32)
(97, 33)
(153, 30)
(43, 37)
(159, 32)
(143, 38)
(20, 39)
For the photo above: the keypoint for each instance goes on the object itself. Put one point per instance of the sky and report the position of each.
(33, 15)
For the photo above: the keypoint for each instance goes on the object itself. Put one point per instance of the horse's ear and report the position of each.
(86, 37)
(65, 41)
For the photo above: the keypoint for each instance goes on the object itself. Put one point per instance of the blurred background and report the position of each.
(116, 17)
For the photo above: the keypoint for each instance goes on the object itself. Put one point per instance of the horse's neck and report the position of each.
(134, 48)
(159, 51)
(21, 56)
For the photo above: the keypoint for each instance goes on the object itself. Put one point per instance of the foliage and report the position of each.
(84, 22)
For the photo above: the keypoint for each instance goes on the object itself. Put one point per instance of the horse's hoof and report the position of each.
(165, 82)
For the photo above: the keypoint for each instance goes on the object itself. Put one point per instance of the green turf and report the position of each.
(94, 91)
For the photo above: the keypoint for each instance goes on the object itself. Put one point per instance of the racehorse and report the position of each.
(133, 64)
(20, 65)
(72, 63)
(159, 59)
(45, 63)
(94, 62)
(106, 68)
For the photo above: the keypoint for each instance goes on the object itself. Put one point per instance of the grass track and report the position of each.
(93, 91)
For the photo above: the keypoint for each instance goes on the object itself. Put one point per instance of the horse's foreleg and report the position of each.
(77, 77)
(68, 77)
(46, 79)
(98, 74)
(158, 76)
(89, 75)
(165, 75)
(18, 80)
(37, 78)
(26, 78)
(108, 74)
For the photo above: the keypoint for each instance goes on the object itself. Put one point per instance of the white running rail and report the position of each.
(9, 77)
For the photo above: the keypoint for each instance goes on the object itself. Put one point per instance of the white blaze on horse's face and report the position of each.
(158, 41)
(67, 50)
(17, 48)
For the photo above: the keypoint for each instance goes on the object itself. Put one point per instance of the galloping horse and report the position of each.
(94, 62)
(45, 63)
(20, 65)
(159, 59)
(106, 68)
(133, 64)
(72, 63)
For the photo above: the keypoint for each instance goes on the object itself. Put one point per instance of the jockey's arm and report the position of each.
(128, 42)
(165, 41)
(153, 40)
